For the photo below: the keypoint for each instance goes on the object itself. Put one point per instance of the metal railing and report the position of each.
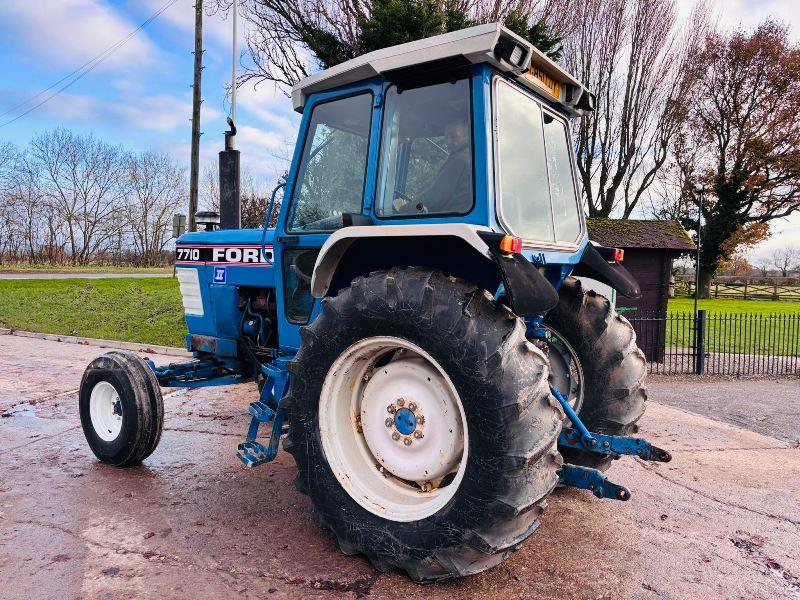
(719, 343)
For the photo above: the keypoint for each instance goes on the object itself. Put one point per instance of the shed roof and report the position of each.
(640, 233)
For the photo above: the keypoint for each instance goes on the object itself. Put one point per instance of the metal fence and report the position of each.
(719, 344)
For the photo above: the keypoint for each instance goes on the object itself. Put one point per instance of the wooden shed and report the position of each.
(650, 247)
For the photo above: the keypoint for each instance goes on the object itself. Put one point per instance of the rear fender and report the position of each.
(594, 266)
(455, 248)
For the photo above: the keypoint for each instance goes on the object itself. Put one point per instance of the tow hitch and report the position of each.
(581, 438)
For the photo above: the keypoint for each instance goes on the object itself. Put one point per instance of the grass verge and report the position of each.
(146, 310)
(732, 326)
(149, 310)
(34, 268)
(721, 306)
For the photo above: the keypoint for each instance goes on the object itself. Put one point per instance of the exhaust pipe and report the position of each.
(230, 212)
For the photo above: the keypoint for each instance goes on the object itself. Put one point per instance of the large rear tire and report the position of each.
(369, 353)
(614, 368)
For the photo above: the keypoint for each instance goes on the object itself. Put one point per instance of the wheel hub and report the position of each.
(393, 428)
(105, 411)
(405, 421)
(422, 440)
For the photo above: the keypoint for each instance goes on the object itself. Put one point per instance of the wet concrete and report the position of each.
(720, 521)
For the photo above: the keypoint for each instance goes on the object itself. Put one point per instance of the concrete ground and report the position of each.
(722, 520)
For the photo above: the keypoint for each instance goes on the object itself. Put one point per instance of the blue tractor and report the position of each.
(413, 320)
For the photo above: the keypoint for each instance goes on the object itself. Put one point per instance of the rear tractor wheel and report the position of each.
(121, 408)
(421, 424)
(597, 365)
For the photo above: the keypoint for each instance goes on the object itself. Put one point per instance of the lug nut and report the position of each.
(419, 435)
(412, 406)
(401, 401)
(407, 441)
(390, 409)
(395, 436)
(388, 422)
(421, 420)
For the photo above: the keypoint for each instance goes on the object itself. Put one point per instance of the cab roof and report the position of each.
(492, 44)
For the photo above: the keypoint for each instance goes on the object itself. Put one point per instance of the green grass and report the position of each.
(149, 310)
(146, 310)
(734, 326)
(720, 306)
(34, 268)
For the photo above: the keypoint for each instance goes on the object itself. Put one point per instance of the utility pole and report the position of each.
(235, 58)
(230, 209)
(194, 170)
(699, 191)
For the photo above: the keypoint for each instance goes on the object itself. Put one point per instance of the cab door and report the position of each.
(330, 183)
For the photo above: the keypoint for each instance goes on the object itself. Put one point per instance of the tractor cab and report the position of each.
(435, 147)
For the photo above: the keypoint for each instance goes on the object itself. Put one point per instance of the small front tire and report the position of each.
(121, 409)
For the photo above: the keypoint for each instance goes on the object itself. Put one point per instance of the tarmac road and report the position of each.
(722, 520)
(79, 275)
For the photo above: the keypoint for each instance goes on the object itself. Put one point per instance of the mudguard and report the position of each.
(529, 291)
(593, 265)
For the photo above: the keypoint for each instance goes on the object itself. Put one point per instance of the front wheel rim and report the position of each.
(105, 411)
(393, 429)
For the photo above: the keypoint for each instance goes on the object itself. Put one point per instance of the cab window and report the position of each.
(537, 199)
(426, 152)
(333, 164)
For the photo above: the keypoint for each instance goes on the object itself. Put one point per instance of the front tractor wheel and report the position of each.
(421, 424)
(121, 408)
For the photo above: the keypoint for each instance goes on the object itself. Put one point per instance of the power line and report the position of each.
(83, 70)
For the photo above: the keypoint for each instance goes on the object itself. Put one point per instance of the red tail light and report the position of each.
(510, 245)
(619, 254)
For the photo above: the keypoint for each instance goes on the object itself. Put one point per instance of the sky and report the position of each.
(140, 97)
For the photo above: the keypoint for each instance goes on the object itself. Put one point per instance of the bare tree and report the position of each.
(81, 176)
(209, 188)
(156, 187)
(786, 260)
(8, 154)
(763, 265)
(634, 57)
(27, 198)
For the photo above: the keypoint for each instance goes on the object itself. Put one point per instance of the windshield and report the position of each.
(426, 152)
(536, 190)
(332, 169)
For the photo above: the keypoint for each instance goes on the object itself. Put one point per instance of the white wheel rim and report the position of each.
(403, 465)
(105, 411)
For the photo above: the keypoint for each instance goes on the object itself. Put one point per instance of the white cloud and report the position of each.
(71, 32)
(270, 106)
(160, 113)
(217, 28)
